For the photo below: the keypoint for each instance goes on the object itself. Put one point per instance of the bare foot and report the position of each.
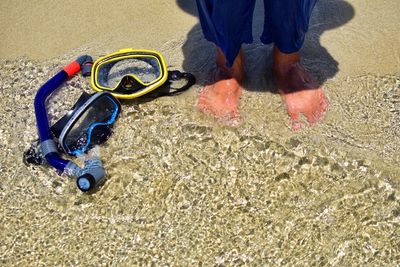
(221, 98)
(301, 93)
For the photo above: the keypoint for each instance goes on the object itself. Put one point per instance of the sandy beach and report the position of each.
(181, 189)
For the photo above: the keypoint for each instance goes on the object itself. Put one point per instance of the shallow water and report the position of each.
(182, 190)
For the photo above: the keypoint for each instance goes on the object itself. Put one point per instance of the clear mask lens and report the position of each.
(93, 126)
(145, 69)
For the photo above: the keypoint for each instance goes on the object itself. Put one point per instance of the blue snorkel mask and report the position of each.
(88, 124)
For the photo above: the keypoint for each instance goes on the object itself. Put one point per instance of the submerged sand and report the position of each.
(183, 190)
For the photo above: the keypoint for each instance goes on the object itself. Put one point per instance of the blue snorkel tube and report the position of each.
(93, 171)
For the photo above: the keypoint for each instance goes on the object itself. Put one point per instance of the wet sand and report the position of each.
(183, 190)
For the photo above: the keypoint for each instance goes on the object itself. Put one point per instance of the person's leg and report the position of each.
(220, 99)
(286, 23)
(227, 24)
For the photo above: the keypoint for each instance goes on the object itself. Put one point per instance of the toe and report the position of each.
(312, 117)
(294, 117)
(324, 104)
(201, 105)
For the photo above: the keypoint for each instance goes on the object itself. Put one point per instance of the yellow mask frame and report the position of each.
(130, 86)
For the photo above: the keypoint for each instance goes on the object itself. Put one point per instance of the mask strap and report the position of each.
(175, 75)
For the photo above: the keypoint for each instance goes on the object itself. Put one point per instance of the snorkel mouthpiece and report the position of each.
(86, 63)
(91, 175)
(83, 63)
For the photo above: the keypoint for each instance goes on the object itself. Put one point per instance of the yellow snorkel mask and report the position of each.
(133, 73)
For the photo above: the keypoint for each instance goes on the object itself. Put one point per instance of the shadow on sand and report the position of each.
(199, 54)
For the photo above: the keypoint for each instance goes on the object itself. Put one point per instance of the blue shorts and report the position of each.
(228, 23)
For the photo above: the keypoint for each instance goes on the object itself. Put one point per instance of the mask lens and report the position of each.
(145, 69)
(93, 126)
